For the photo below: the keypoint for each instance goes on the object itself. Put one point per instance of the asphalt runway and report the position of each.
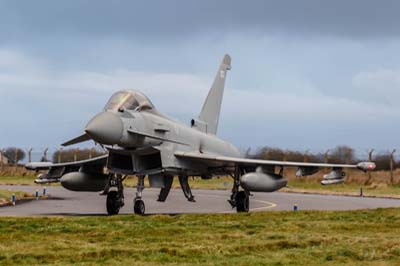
(69, 203)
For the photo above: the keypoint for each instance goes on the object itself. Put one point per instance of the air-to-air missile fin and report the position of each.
(168, 179)
(212, 106)
(81, 138)
(183, 180)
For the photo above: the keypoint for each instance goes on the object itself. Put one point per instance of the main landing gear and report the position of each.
(115, 198)
(239, 199)
(184, 182)
(242, 201)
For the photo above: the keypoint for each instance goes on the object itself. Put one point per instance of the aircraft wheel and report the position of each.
(242, 202)
(113, 203)
(138, 207)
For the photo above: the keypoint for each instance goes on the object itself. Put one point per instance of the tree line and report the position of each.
(15, 155)
(340, 154)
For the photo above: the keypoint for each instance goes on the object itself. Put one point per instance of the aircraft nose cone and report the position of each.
(105, 128)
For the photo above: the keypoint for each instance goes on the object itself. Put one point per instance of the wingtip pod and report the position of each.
(366, 166)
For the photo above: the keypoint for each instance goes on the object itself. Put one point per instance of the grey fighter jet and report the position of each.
(142, 141)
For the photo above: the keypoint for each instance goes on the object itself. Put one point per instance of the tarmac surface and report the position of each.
(69, 203)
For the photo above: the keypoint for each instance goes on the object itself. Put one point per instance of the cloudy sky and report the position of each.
(305, 74)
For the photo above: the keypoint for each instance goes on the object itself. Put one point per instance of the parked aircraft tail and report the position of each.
(209, 114)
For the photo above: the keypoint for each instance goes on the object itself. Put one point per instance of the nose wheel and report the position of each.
(138, 206)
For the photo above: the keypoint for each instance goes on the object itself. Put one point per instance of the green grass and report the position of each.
(296, 185)
(17, 180)
(196, 183)
(270, 238)
(5, 195)
(375, 189)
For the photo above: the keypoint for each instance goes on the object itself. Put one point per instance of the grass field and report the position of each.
(17, 180)
(375, 189)
(307, 185)
(270, 238)
(5, 195)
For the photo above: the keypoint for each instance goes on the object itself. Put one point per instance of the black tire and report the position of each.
(113, 203)
(138, 207)
(242, 202)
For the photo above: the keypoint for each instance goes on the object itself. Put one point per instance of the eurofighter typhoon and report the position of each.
(142, 141)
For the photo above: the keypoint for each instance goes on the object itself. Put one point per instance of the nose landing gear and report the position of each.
(139, 207)
(138, 203)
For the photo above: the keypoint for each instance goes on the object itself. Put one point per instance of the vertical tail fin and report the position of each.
(212, 106)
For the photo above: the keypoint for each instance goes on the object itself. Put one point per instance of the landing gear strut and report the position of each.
(138, 204)
(168, 180)
(183, 180)
(115, 198)
(239, 199)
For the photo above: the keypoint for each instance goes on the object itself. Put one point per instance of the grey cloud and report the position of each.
(382, 85)
(43, 95)
(178, 18)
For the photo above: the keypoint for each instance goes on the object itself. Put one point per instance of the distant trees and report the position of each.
(383, 160)
(268, 153)
(340, 154)
(14, 155)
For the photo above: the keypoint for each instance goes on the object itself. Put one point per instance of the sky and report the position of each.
(306, 75)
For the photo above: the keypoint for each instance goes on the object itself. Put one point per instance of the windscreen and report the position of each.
(128, 99)
(122, 100)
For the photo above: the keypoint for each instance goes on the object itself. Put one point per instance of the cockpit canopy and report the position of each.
(130, 100)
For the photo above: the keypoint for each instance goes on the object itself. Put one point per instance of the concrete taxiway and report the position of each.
(64, 202)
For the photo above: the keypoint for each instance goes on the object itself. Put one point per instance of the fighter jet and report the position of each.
(142, 141)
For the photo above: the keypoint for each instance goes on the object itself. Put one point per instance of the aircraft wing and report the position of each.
(57, 170)
(365, 166)
(47, 165)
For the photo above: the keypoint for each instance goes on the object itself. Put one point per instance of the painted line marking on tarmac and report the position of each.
(270, 204)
